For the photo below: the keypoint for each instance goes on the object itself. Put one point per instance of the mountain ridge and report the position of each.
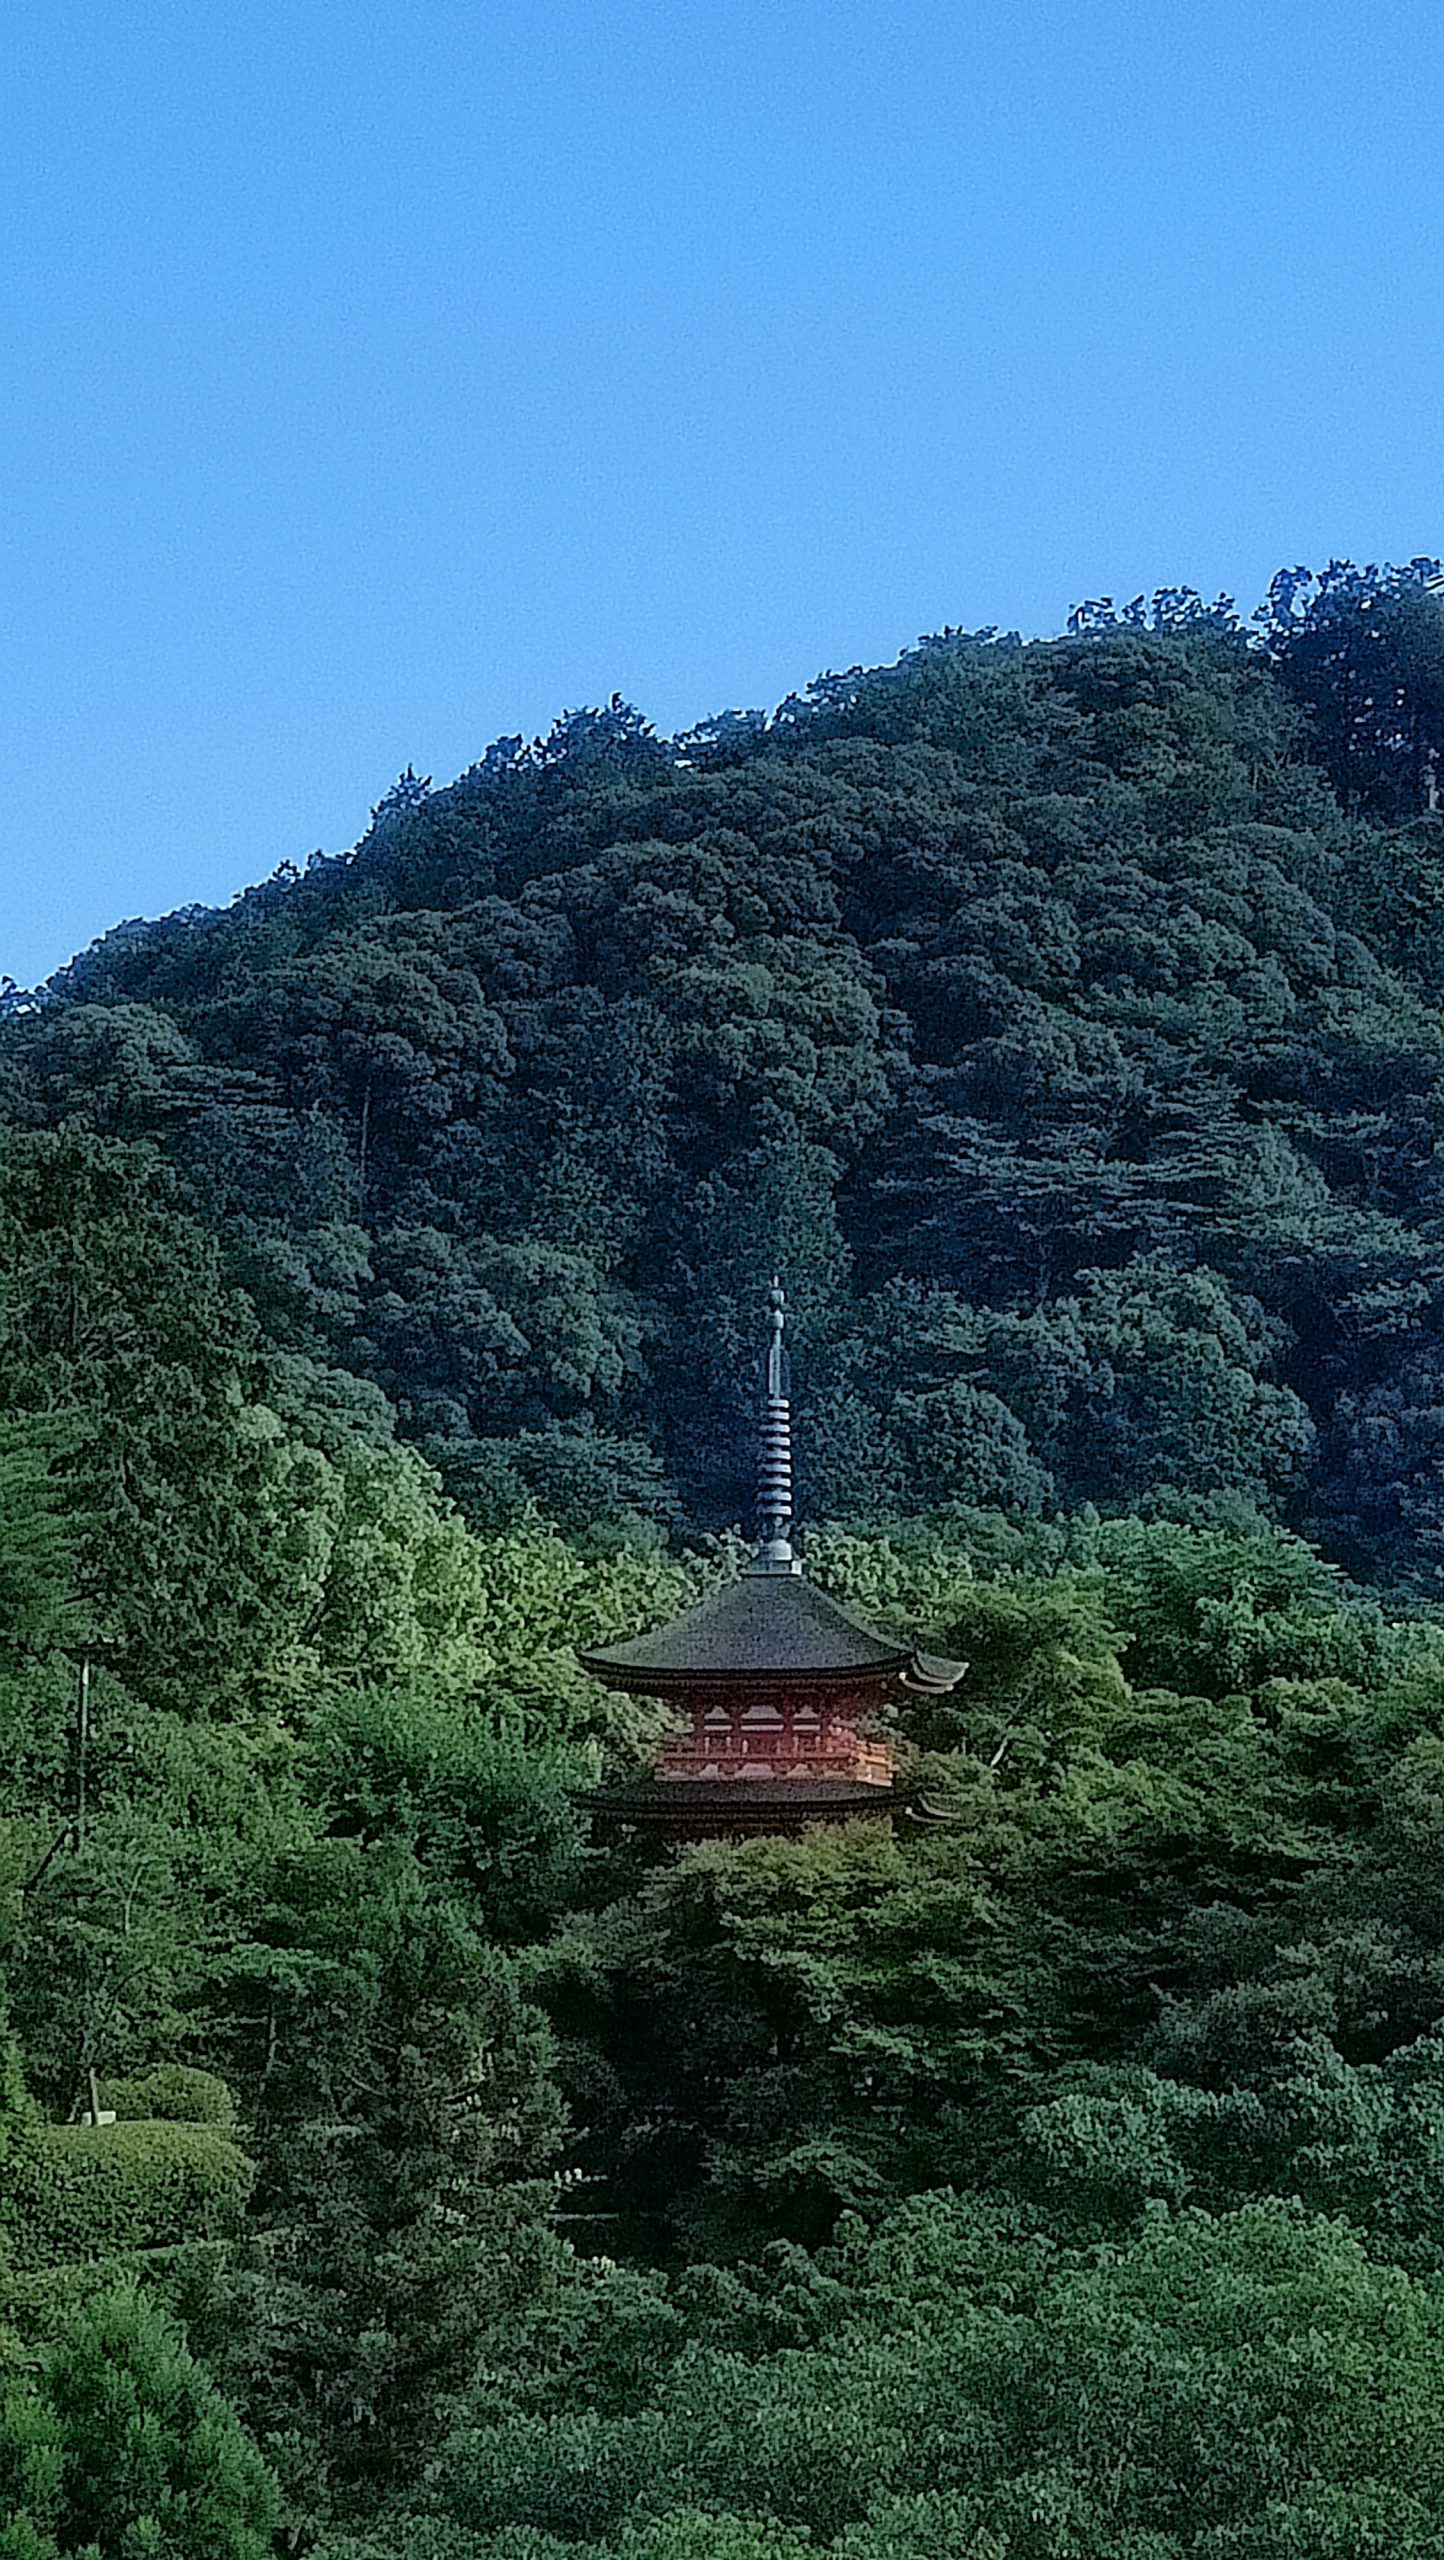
(1057, 1013)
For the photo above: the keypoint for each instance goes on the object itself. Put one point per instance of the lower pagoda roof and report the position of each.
(728, 1806)
(765, 1626)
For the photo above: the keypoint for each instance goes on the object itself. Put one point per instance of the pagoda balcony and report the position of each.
(775, 1755)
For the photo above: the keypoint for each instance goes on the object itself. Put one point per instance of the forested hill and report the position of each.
(1065, 1019)
(394, 2168)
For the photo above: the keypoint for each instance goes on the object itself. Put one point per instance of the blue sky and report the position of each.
(380, 378)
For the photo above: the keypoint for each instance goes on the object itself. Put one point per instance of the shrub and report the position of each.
(81, 2191)
(175, 2093)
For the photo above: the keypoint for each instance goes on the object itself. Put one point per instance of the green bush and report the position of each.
(82, 2191)
(172, 2092)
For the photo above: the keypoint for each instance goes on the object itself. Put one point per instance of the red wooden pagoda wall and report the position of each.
(778, 1733)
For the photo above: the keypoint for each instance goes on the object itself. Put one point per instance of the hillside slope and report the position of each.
(1039, 1009)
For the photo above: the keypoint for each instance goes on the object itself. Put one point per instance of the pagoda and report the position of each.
(771, 1679)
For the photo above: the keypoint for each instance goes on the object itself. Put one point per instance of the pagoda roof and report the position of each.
(696, 1806)
(766, 1626)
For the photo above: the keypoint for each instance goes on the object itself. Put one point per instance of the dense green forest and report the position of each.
(382, 1260)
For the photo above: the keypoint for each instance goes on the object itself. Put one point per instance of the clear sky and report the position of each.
(380, 376)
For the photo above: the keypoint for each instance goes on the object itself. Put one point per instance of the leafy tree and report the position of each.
(1364, 648)
(961, 2383)
(406, 2120)
(122, 2445)
(37, 1547)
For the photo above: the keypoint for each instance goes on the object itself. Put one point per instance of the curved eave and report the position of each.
(645, 1683)
(701, 1805)
(933, 1675)
(929, 1675)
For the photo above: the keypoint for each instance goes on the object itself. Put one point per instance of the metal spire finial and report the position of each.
(774, 1472)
